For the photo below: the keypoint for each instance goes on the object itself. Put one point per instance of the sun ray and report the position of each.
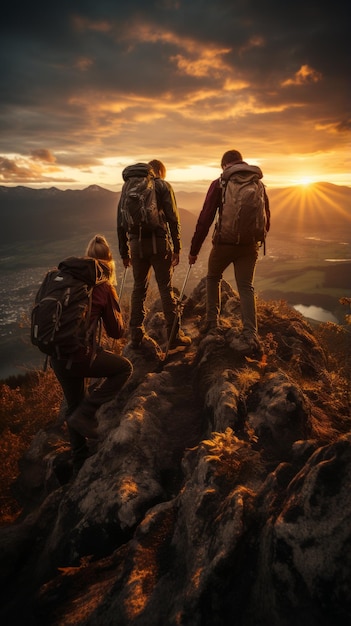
(316, 204)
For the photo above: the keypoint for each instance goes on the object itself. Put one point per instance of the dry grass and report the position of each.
(28, 404)
(231, 457)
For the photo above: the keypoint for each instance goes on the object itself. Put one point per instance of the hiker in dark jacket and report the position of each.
(112, 370)
(243, 257)
(159, 250)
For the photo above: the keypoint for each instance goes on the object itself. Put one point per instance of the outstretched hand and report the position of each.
(175, 259)
(192, 259)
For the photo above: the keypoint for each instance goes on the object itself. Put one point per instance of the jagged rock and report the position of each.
(217, 492)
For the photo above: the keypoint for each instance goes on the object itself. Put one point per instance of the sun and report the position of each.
(305, 181)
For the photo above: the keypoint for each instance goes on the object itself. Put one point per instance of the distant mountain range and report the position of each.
(52, 214)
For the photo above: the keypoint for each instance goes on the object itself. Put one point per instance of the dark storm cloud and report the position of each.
(87, 76)
(47, 45)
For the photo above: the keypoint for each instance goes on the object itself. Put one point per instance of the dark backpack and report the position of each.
(138, 203)
(242, 218)
(60, 319)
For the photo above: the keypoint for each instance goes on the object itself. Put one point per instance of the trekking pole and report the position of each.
(119, 297)
(122, 283)
(178, 313)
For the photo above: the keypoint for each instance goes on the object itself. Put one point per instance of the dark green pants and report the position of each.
(144, 259)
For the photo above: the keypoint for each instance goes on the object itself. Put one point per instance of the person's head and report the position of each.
(158, 167)
(99, 249)
(230, 157)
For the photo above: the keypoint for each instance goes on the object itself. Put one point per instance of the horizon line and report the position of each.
(187, 184)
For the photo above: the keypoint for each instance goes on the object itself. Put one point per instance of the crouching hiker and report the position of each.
(91, 361)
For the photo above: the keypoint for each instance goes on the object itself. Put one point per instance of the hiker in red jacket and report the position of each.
(243, 257)
(112, 370)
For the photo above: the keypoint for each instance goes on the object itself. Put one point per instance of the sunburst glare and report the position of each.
(312, 201)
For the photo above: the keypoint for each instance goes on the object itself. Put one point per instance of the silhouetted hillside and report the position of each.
(52, 214)
(49, 214)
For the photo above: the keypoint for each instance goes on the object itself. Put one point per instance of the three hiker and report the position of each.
(225, 250)
(112, 370)
(148, 229)
(147, 246)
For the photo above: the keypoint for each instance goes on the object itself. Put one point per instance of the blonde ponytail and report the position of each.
(98, 248)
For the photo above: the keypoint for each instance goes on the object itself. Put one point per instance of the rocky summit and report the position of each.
(217, 494)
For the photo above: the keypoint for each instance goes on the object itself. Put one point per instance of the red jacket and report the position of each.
(105, 305)
(212, 202)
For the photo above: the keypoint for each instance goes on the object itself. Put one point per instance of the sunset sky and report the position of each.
(89, 87)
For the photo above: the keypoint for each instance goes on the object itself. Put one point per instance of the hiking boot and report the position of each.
(135, 343)
(180, 339)
(85, 427)
(208, 327)
(79, 457)
(83, 420)
(247, 346)
(137, 335)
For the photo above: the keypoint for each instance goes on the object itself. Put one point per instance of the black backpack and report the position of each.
(138, 202)
(60, 319)
(242, 217)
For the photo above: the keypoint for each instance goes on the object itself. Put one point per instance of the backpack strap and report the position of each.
(93, 329)
(95, 342)
(223, 186)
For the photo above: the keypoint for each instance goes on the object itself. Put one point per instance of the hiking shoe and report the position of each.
(247, 346)
(84, 425)
(208, 327)
(136, 335)
(180, 339)
(79, 458)
(135, 343)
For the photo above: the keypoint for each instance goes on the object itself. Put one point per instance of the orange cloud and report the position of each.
(19, 169)
(208, 63)
(196, 59)
(305, 75)
(42, 154)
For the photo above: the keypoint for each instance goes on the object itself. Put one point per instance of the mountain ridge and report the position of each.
(26, 214)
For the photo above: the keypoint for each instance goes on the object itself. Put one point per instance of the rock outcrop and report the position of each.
(217, 493)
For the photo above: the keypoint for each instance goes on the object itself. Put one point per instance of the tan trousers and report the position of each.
(244, 261)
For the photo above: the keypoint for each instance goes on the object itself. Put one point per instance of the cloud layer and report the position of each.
(89, 87)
